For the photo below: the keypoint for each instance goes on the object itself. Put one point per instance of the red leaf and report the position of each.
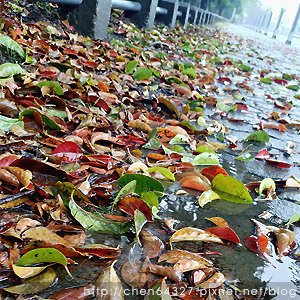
(236, 120)
(224, 233)
(212, 171)
(71, 52)
(251, 244)
(130, 204)
(132, 140)
(102, 104)
(283, 106)
(100, 251)
(263, 154)
(227, 63)
(195, 182)
(278, 164)
(224, 80)
(280, 81)
(43, 174)
(279, 127)
(70, 151)
(75, 293)
(7, 160)
(262, 242)
(48, 74)
(91, 64)
(241, 106)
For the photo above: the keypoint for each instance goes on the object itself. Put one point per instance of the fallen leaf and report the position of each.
(212, 171)
(173, 256)
(207, 197)
(152, 245)
(194, 235)
(218, 221)
(278, 164)
(35, 284)
(263, 154)
(259, 136)
(109, 282)
(231, 189)
(224, 233)
(195, 182)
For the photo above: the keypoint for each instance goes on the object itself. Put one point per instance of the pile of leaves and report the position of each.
(94, 132)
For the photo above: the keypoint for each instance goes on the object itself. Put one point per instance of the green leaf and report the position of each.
(293, 87)
(266, 80)
(258, 136)
(202, 122)
(179, 139)
(155, 72)
(53, 85)
(205, 148)
(10, 70)
(153, 142)
(6, 123)
(293, 219)
(266, 183)
(207, 197)
(150, 198)
(164, 171)
(96, 222)
(286, 77)
(244, 68)
(189, 125)
(55, 112)
(190, 72)
(231, 189)
(50, 124)
(139, 222)
(11, 45)
(42, 255)
(246, 156)
(35, 284)
(205, 158)
(142, 74)
(66, 190)
(127, 189)
(224, 107)
(130, 67)
(143, 183)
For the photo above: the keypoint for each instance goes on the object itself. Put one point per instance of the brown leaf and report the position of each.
(186, 265)
(130, 204)
(195, 182)
(133, 275)
(218, 221)
(74, 293)
(194, 235)
(43, 174)
(168, 272)
(45, 235)
(24, 176)
(152, 245)
(139, 124)
(215, 281)
(8, 177)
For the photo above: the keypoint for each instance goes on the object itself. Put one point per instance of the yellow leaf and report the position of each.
(27, 272)
(194, 235)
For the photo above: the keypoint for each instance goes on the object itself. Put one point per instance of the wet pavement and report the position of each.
(242, 267)
(237, 262)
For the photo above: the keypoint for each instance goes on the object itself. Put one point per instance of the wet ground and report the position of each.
(244, 268)
(240, 266)
(237, 262)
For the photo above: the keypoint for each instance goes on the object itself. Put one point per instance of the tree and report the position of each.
(225, 7)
